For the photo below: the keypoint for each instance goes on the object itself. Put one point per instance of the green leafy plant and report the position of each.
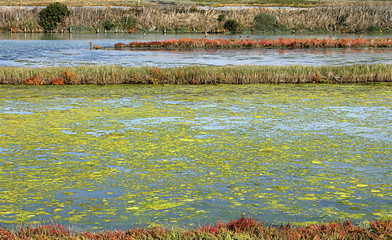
(232, 25)
(107, 24)
(264, 22)
(52, 15)
(221, 17)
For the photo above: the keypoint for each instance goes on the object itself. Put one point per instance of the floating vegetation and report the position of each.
(243, 228)
(292, 43)
(108, 157)
(102, 75)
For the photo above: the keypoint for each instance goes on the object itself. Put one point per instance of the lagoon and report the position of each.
(107, 157)
(46, 50)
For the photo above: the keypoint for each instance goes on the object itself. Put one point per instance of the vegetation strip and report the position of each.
(241, 74)
(243, 228)
(364, 17)
(263, 43)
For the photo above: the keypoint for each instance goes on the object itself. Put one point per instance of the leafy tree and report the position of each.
(107, 25)
(232, 25)
(52, 15)
(264, 22)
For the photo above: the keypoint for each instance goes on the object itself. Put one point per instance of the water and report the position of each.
(39, 50)
(108, 157)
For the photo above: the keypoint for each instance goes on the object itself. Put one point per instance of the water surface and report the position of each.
(39, 50)
(107, 157)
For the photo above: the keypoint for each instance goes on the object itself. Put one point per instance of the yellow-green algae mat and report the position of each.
(121, 156)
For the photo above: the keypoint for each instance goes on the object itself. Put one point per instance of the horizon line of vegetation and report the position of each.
(292, 43)
(240, 74)
(191, 19)
(243, 228)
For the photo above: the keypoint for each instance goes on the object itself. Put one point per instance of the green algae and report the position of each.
(120, 156)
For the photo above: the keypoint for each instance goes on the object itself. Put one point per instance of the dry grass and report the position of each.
(102, 75)
(295, 3)
(348, 18)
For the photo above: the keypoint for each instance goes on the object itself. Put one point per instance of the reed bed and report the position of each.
(291, 43)
(358, 18)
(243, 228)
(242, 74)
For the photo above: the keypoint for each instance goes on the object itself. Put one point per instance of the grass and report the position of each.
(295, 3)
(243, 228)
(102, 75)
(361, 18)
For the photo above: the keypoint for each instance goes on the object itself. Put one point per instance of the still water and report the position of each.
(39, 50)
(107, 157)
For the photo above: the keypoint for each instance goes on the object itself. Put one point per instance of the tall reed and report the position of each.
(241, 74)
(347, 18)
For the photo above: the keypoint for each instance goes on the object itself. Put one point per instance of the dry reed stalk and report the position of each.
(102, 75)
(350, 19)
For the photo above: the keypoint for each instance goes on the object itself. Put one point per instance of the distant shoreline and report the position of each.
(177, 18)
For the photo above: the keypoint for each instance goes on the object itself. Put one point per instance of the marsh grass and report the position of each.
(358, 18)
(243, 228)
(242, 74)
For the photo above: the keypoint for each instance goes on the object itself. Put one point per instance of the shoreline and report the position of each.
(243, 228)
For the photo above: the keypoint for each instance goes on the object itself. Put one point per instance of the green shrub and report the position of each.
(372, 29)
(107, 24)
(127, 22)
(264, 22)
(232, 25)
(52, 15)
(221, 17)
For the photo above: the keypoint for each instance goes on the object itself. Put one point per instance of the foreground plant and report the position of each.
(243, 228)
(102, 75)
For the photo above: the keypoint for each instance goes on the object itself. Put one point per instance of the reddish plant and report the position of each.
(69, 77)
(33, 80)
(58, 81)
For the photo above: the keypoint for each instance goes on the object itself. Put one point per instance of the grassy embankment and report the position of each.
(243, 228)
(356, 18)
(196, 75)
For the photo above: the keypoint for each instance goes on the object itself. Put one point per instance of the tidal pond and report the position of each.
(108, 157)
(39, 50)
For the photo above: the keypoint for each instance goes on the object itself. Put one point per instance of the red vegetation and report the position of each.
(33, 80)
(69, 77)
(243, 228)
(58, 81)
(291, 43)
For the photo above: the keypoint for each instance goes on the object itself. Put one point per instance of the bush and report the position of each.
(107, 24)
(221, 17)
(264, 22)
(52, 15)
(232, 25)
(127, 22)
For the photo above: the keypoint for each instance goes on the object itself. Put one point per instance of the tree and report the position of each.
(107, 25)
(232, 25)
(52, 15)
(264, 22)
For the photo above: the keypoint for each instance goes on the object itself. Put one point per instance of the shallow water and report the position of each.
(107, 157)
(39, 50)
